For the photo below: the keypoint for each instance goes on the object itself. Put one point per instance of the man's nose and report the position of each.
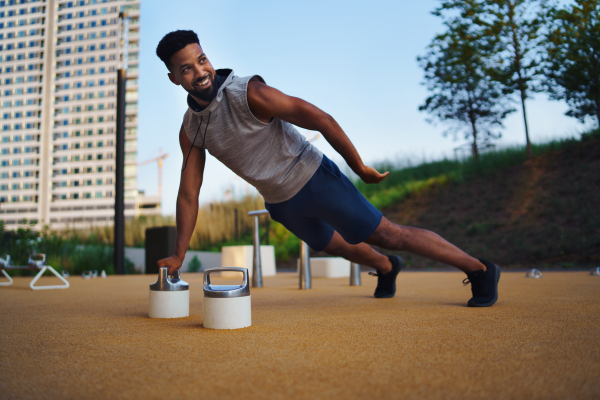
(198, 71)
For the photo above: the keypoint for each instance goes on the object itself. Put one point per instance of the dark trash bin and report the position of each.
(160, 243)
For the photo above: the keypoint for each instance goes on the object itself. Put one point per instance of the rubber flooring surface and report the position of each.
(95, 340)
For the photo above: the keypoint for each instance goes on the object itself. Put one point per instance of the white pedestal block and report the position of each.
(241, 257)
(169, 304)
(227, 313)
(329, 267)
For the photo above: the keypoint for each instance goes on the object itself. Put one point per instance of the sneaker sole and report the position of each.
(493, 301)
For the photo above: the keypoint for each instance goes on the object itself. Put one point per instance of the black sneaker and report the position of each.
(386, 284)
(484, 285)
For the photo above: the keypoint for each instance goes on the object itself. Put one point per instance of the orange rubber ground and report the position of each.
(95, 341)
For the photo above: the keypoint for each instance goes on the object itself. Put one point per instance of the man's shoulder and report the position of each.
(257, 78)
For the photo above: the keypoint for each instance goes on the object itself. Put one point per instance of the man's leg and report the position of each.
(423, 243)
(396, 237)
(360, 253)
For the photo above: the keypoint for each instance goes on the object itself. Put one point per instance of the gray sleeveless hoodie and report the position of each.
(273, 157)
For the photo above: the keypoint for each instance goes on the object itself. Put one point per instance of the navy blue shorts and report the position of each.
(328, 202)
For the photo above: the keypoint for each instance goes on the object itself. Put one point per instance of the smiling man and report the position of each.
(249, 127)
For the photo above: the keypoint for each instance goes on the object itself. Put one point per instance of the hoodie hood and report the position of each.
(223, 78)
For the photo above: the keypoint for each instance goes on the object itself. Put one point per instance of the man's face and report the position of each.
(191, 69)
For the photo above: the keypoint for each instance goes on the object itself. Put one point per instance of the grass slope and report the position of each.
(543, 212)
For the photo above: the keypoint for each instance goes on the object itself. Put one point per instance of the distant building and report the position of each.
(58, 63)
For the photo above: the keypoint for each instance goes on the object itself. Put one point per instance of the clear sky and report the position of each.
(354, 60)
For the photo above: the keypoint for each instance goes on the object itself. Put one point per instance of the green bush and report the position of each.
(194, 265)
(73, 254)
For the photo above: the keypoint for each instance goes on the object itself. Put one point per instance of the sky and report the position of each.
(354, 60)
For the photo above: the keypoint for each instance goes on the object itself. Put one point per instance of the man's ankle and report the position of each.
(483, 267)
(385, 266)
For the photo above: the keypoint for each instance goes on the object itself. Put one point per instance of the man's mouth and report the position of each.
(204, 82)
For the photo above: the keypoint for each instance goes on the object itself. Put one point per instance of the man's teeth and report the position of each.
(203, 82)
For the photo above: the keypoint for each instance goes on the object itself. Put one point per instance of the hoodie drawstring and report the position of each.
(195, 136)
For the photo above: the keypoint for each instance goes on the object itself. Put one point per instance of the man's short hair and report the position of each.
(172, 43)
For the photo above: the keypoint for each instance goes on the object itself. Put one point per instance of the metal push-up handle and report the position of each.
(36, 263)
(533, 273)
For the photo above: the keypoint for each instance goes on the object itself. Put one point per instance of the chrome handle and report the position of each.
(166, 283)
(36, 264)
(211, 290)
(4, 261)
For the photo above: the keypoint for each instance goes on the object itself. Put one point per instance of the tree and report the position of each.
(463, 93)
(573, 58)
(517, 24)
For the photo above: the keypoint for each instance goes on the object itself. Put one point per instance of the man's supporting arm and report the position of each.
(187, 201)
(266, 102)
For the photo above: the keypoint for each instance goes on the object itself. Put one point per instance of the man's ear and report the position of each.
(173, 79)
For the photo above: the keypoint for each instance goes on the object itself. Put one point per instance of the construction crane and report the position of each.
(160, 159)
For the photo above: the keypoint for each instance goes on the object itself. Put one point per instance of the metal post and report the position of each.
(256, 263)
(355, 274)
(119, 236)
(119, 220)
(304, 270)
(257, 280)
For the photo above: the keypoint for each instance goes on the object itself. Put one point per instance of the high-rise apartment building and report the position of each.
(58, 63)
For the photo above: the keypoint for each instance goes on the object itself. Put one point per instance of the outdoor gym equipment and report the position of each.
(169, 296)
(36, 263)
(534, 273)
(305, 276)
(257, 280)
(226, 306)
(304, 272)
(355, 274)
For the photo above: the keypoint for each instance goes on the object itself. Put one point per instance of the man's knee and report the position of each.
(388, 236)
(337, 246)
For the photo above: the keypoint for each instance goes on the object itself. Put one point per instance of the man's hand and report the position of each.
(371, 175)
(173, 262)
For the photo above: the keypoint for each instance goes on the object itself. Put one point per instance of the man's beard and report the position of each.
(204, 94)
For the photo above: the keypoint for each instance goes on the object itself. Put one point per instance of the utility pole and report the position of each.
(119, 234)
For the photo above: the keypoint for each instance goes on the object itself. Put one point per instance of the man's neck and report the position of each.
(202, 103)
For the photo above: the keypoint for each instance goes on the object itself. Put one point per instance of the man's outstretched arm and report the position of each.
(266, 102)
(187, 201)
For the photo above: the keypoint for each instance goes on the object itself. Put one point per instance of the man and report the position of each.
(247, 125)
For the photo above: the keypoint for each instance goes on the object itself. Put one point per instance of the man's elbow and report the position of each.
(187, 196)
(327, 123)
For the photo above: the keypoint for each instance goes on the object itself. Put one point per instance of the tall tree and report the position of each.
(517, 24)
(573, 58)
(462, 92)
